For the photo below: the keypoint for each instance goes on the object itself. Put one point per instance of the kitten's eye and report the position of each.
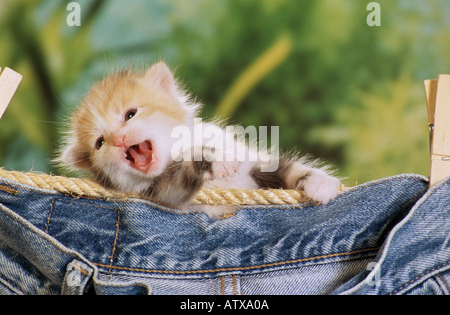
(99, 143)
(130, 114)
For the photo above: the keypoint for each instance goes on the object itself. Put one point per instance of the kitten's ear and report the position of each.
(160, 76)
(73, 156)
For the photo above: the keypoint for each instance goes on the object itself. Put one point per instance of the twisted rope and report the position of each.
(83, 187)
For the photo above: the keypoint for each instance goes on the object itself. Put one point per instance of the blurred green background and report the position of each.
(341, 90)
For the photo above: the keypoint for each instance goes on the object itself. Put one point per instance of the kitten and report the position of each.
(123, 133)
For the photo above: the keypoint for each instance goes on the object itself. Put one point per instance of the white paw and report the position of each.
(320, 187)
(224, 169)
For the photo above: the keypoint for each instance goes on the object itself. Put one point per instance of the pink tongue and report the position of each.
(142, 155)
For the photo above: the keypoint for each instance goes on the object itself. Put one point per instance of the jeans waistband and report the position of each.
(140, 237)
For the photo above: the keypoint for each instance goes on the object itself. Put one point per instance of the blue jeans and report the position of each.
(391, 236)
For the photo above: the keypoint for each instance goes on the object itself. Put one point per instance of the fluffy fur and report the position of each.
(122, 134)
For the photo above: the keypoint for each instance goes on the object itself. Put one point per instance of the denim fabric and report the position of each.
(51, 243)
(415, 258)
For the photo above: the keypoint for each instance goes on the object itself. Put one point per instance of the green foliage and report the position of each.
(348, 93)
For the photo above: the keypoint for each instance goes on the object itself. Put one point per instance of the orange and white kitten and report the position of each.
(123, 133)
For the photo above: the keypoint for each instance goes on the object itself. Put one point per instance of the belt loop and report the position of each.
(76, 278)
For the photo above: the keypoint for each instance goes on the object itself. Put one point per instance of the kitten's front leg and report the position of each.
(184, 177)
(293, 174)
(316, 183)
(179, 183)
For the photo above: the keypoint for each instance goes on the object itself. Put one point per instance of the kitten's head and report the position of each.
(122, 131)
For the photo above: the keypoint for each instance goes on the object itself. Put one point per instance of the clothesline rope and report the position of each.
(84, 187)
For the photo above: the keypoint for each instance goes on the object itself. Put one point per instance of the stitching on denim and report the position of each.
(418, 277)
(13, 284)
(234, 284)
(222, 285)
(81, 270)
(49, 216)
(30, 188)
(115, 243)
(446, 284)
(238, 268)
(9, 190)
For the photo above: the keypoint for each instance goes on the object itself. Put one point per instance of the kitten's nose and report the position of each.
(119, 141)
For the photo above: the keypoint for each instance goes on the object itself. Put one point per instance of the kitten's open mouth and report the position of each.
(141, 155)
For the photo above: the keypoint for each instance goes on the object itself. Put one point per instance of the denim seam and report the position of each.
(9, 190)
(445, 282)
(115, 242)
(13, 284)
(222, 285)
(29, 188)
(49, 216)
(234, 285)
(237, 268)
(81, 270)
(419, 277)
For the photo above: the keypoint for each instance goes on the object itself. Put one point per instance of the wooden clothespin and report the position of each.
(9, 81)
(438, 106)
